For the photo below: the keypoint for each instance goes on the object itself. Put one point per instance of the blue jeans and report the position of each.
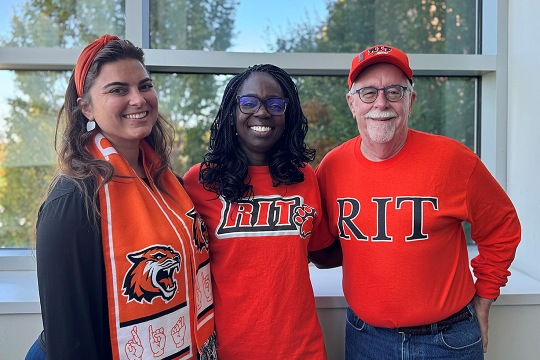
(36, 352)
(462, 341)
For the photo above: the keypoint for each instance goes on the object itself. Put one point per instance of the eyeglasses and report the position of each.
(392, 93)
(252, 104)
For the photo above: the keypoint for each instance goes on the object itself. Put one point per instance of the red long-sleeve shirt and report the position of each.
(405, 259)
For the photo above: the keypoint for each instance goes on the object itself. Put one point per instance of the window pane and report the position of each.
(191, 24)
(431, 27)
(447, 106)
(64, 23)
(29, 102)
(191, 102)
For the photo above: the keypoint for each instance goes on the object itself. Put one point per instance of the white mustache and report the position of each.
(380, 114)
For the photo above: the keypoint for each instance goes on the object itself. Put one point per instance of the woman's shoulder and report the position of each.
(194, 188)
(63, 186)
(307, 170)
(192, 175)
(69, 190)
(66, 213)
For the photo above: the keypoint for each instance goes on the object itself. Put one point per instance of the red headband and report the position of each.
(87, 57)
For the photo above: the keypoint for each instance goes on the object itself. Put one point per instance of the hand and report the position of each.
(198, 297)
(481, 306)
(178, 332)
(329, 257)
(157, 341)
(206, 287)
(133, 348)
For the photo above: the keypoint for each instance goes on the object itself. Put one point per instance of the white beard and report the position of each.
(381, 132)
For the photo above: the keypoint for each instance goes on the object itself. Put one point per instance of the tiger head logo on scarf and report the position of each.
(152, 274)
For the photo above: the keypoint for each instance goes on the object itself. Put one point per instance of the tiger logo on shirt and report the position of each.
(152, 274)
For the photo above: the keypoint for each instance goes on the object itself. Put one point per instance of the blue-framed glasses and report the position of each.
(252, 104)
(392, 93)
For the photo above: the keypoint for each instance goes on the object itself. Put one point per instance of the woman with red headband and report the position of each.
(122, 256)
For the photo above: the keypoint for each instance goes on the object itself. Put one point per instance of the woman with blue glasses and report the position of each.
(260, 201)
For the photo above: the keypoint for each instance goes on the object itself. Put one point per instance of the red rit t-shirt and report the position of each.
(264, 302)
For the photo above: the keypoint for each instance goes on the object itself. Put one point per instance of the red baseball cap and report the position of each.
(379, 54)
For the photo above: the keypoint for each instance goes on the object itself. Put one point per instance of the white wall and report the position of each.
(17, 333)
(512, 334)
(524, 128)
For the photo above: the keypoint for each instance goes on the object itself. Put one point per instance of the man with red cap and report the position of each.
(396, 199)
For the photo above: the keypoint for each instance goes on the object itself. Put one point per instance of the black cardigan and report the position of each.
(71, 277)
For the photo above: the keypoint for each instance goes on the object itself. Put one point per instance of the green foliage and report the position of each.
(20, 199)
(29, 153)
(66, 23)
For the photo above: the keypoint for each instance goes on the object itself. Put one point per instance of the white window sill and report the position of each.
(521, 289)
(19, 294)
(18, 282)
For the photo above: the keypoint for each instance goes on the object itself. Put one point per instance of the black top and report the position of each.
(71, 277)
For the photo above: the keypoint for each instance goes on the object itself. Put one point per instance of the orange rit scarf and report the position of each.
(156, 261)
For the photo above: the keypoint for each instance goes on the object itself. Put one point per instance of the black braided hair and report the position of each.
(225, 166)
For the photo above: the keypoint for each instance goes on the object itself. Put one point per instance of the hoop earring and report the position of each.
(90, 125)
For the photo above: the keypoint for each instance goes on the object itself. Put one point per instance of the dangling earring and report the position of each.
(90, 125)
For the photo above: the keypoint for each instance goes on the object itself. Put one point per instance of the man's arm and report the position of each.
(496, 230)
(329, 257)
(481, 307)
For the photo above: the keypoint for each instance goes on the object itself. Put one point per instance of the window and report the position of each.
(27, 120)
(316, 26)
(64, 24)
(192, 57)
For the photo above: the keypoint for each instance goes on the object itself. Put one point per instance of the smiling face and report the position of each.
(123, 103)
(259, 132)
(382, 123)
